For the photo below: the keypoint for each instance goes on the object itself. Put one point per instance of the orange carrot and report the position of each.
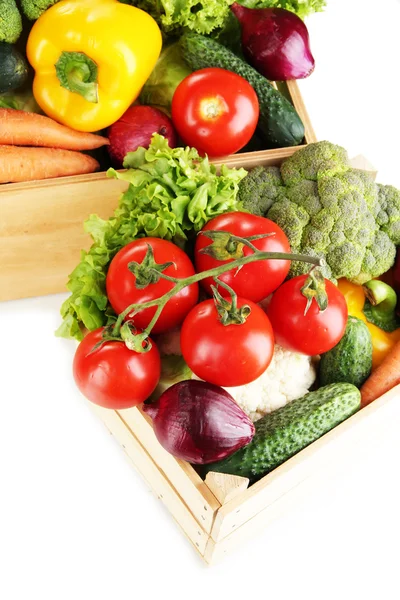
(19, 128)
(27, 164)
(383, 378)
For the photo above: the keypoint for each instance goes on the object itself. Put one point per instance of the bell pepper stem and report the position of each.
(77, 73)
(381, 295)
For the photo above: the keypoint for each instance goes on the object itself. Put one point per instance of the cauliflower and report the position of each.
(289, 376)
(329, 209)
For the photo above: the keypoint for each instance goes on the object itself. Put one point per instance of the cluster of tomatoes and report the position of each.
(218, 348)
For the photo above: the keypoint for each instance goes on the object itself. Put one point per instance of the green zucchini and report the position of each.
(13, 68)
(351, 359)
(279, 122)
(284, 432)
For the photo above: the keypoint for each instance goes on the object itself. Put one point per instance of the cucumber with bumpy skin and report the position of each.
(279, 122)
(284, 432)
(351, 359)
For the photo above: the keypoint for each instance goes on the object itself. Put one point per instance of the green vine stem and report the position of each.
(179, 284)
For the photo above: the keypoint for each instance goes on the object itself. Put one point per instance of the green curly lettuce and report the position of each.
(172, 194)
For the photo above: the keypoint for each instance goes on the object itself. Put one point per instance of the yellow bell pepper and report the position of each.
(91, 59)
(382, 341)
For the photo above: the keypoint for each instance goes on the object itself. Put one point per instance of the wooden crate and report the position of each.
(41, 235)
(222, 512)
(41, 223)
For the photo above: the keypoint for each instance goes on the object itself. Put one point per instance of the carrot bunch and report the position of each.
(36, 147)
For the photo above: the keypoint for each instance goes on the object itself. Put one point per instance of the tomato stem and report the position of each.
(215, 272)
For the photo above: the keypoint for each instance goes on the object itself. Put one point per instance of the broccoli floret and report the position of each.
(389, 211)
(34, 8)
(10, 22)
(331, 210)
(259, 189)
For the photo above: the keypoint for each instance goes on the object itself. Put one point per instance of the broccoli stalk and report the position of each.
(34, 8)
(10, 22)
(330, 210)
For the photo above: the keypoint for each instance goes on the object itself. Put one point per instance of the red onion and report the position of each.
(135, 128)
(275, 41)
(199, 422)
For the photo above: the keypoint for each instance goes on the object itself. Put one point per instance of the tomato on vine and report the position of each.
(223, 351)
(254, 281)
(131, 279)
(113, 376)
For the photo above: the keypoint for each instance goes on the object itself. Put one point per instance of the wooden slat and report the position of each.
(187, 483)
(41, 230)
(335, 446)
(154, 477)
(299, 105)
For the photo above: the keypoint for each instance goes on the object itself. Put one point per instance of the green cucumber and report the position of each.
(13, 68)
(279, 122)
(351, 359)
(284, 432)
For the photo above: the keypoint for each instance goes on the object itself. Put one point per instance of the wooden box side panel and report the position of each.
(187, 483)
(154, 478)
(334, 447)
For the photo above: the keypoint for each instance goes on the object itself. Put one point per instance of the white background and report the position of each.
(78, 523)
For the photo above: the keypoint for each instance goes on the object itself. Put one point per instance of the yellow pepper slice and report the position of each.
(382, 341)
(91, 59)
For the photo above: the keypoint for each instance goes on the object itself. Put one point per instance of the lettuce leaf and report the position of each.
(172, 194)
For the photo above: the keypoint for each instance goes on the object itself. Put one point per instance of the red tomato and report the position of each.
(227, 355)
(215, 110)
(122, 291)
(312, 333)
(114, 376)
(256, 280)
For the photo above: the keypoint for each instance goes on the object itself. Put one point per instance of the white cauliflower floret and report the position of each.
(289, 376)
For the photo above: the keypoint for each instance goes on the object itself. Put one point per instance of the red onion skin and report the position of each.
(199, 422)
(135, 128)
(275, 41)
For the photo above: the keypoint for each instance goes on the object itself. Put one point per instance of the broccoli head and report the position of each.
(34, 8)
(10, 22)
(331, 210)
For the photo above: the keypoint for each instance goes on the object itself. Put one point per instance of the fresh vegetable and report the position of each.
(18, 163)
(382, 342)
(91, 60)
(275, 41)
(13, 68)
(199, 422)
(288, 376)
(328, 209)
(173, 370)
(19, 101)
(113, 376)
(172, 194)
(20, 128)
(308, 314)
(255, 281)
(279, 122)
(259, 189)
(132, 279)
(385, 377)
(216, 111)
(135, 128)
(225, 344)
(33, 9)
(288, 430)
(169, 71)
(213, 16)
(351, 359)
(396, 273)
(10, 22)
(380, 305)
